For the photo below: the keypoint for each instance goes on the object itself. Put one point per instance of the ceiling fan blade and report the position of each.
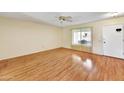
(68, 17)
(62, 19)
(69, 20)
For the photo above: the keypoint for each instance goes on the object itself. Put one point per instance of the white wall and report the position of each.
(19, 38)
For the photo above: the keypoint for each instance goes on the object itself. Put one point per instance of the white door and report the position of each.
(113, 41)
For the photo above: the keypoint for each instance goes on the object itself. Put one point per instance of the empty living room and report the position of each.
(61, 46)
(67, 46)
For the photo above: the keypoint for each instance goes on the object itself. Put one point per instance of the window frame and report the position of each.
(81, 30)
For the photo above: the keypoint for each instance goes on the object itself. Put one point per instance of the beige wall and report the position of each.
(97, 32)
(19, 38)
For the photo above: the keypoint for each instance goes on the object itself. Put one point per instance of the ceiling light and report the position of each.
(114, 14)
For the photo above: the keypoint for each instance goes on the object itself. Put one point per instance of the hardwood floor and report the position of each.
(62, 64)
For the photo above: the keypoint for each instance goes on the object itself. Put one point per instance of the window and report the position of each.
(81, 36)
(76, 36)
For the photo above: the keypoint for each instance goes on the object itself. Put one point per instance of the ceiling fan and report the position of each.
(64, 19)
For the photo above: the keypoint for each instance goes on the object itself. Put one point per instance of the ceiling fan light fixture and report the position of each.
(64, 19)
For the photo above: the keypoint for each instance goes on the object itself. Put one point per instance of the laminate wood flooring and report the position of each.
(62, 64)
